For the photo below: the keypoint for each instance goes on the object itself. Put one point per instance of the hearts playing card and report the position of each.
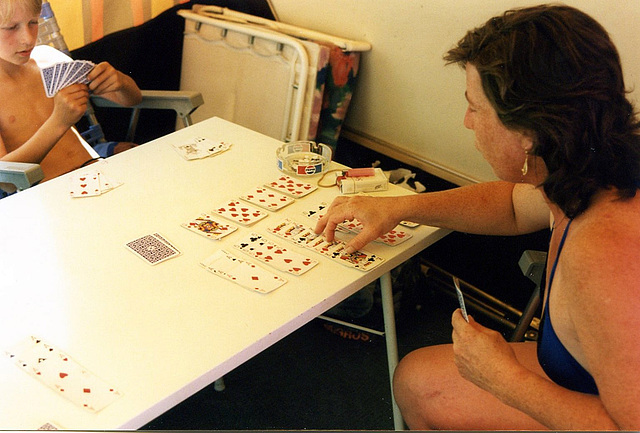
(292, 187)
(64, 375)
(267, 198)
(274, 255)
(242, 272)
(304, 236)
(240, 212)
(85, 185)
(91, 183)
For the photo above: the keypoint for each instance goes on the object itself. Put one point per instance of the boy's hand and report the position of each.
(70, 104)
(104, 78)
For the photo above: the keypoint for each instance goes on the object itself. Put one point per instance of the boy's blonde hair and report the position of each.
(8, 8)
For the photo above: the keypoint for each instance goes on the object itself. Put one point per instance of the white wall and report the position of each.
(407, 103)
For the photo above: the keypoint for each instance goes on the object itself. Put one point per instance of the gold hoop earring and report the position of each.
(525, 167)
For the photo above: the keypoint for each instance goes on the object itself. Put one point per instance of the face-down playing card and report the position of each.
(242, 272)
(152, 248)
(57, 370)
(63, 74)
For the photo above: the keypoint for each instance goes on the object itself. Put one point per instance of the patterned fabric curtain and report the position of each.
(85, 21)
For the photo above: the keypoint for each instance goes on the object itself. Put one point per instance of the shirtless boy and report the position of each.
(34, 128)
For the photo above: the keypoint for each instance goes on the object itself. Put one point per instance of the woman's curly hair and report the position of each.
(552, 70)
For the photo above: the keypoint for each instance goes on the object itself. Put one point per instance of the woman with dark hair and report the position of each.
(549, 109)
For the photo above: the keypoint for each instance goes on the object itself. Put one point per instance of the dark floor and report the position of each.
(316, 379)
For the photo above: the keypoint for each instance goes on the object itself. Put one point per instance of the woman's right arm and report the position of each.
(492, 208)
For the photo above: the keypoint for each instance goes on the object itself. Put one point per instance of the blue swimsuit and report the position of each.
(556, 361)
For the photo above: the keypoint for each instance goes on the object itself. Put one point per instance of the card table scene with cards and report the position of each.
(133, 283)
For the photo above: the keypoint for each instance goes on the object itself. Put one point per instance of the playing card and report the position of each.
(292, 187)
(353, 226)
(409, 224)
(360, 260)
(316, 212)
(267, 198)
(152, 248)
(85, 185)
(63, 74)
(242, 272)
(64, 375)
(240, 212)
(287, 229)
(463, 308)
(207, 226)
(91, 183)
(49, 426)
(274, 255)
(394, 237)
(77, 73)
(47, 79)
(200, 147)
(302, 235)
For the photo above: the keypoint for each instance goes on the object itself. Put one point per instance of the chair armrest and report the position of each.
(183, 102)
(21, 174)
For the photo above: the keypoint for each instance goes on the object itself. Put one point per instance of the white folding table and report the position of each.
(159, 333)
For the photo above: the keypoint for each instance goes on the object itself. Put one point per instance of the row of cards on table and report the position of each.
(154, 248)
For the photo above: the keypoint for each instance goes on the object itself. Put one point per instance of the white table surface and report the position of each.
(157, 333)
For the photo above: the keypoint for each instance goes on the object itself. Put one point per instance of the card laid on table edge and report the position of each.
(152, 248)
(90, 183)
(207, 226)
(240, 212)
(57, 370)
(266, 251)
(267, 198)
(242, 272)
(304, 236)
(292, 187)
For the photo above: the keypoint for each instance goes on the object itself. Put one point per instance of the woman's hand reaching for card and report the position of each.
(375, 213)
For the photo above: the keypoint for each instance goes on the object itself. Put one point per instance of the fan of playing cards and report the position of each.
(63, 74)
